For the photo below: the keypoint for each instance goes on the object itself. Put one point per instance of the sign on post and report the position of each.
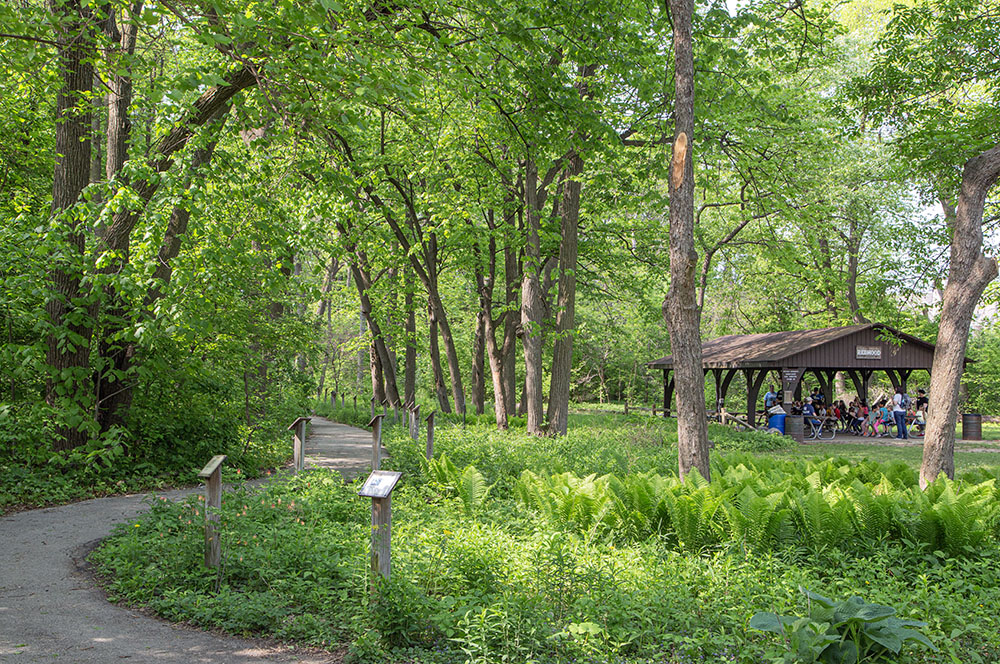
(378, 487)
(212, 474)
(299, 443)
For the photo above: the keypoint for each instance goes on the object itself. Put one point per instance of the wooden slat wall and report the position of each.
(841, 354)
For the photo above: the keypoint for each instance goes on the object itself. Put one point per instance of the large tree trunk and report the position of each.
(969, 273)
(680, 310)
(562, 356)
(68, 347)
(532, 306)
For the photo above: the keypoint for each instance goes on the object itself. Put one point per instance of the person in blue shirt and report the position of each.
(771, 398)
(808, 409)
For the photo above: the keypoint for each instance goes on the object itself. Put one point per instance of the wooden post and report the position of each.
(333, 400)
(430, 435)
(373, 406)
(299, 443)
(378, 487)
(415, 423)
(626, 407)
(355, 402)
(385, 407)
(212, 473)
(376, 425)
(381, 555)
(395, 413)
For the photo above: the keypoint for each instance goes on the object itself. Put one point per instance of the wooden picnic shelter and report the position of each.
(857, 350)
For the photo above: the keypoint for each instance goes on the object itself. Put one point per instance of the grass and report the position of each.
(480, 576)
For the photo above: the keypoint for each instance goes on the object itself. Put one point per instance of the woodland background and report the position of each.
(259, 202)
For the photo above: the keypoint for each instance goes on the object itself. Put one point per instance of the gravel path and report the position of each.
(51, 610)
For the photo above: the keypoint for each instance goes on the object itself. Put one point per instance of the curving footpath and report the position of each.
(51, 610)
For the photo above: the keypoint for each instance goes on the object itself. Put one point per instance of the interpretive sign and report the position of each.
(379, 484)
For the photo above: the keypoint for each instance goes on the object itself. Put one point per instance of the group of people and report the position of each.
(858, 418)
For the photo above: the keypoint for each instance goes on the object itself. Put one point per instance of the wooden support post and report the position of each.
(355, 402)
(430, 435)
(343, 398)
(381, 537)
(212, 473)
(385, 407)
(378, 487)
(373, 407)
(298, 427)
(395, 413)
(415, 423)
(333, 400)
(376, 425)
(626, 407)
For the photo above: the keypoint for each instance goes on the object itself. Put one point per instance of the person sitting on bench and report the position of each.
(808, 409)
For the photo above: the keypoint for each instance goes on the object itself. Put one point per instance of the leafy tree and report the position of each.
(935, 84)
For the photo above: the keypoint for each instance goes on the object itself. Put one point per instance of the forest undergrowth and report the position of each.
(509, 548)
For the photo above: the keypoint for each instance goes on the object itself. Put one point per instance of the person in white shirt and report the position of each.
(900, 402)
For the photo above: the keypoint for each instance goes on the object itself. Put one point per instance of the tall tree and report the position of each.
(680, 307)
(935, 81)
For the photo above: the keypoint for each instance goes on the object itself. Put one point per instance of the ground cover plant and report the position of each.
(513, 548)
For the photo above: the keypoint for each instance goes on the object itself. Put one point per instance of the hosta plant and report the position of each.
(848, 632)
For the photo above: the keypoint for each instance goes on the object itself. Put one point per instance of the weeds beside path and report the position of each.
(50, 608)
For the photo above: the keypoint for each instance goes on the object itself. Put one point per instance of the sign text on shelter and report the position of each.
(867, 353)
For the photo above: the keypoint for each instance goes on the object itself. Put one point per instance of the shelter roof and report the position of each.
(831, 347)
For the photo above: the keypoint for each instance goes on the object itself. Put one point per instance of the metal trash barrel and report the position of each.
(972, 426)
(793, 427)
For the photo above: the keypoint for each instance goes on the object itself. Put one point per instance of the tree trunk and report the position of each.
(969, 273)
(532, 307)
(485, 285)
(511, 319)
(120, 96)
(479, 364)
(410, 357)
(853, 256)
(68, 346)
(362, 281)
(562, 355)
(451, 355)
(680, 310)
(377, 375)
(435, 352)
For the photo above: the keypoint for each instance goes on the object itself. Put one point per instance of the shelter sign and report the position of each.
(789, 379)
(867, 353)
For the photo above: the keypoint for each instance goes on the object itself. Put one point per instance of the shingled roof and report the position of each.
(783, 349)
